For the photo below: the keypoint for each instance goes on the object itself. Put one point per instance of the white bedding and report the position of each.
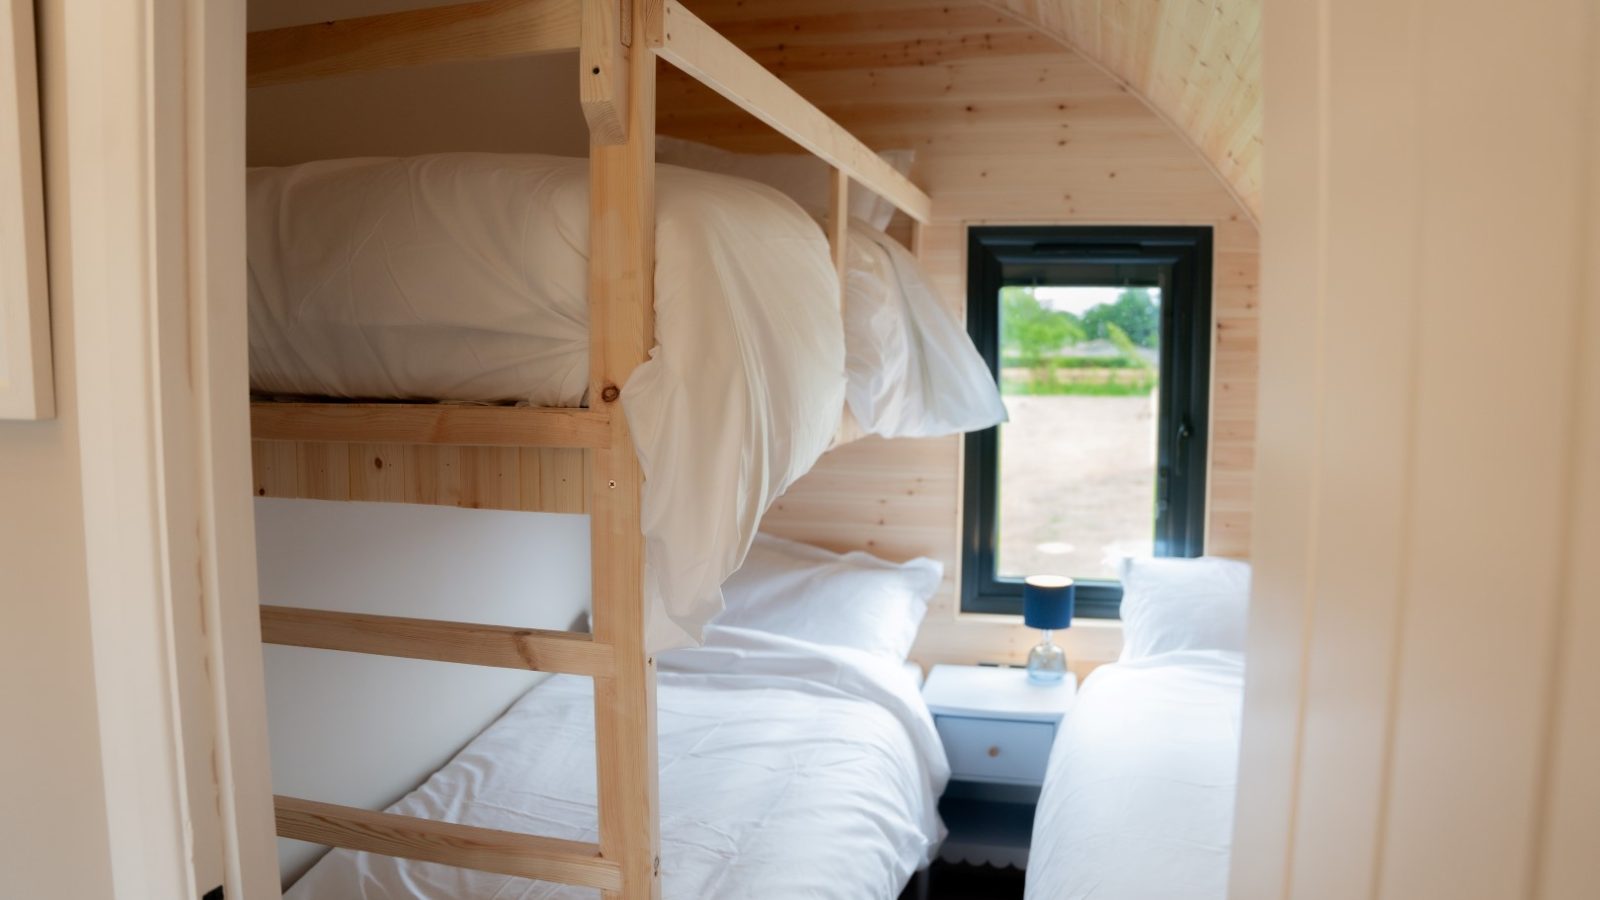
(788, 771)
(1138, 799)
(913, 370)
(464, 276)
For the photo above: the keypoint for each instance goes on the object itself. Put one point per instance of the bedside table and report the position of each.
(997, 728)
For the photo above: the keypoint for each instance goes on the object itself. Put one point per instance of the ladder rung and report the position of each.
(430, 423)
(456, 642)
(463, 846)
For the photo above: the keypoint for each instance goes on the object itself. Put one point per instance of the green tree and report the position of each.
(1133, 312)
(1030, 332)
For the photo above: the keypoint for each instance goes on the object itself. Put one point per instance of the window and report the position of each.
(1100, 341)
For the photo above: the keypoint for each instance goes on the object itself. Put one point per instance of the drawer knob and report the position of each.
(994, 751)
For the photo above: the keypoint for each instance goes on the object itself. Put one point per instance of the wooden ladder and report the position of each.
(625, 862)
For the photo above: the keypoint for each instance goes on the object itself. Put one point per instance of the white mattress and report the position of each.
(1138, 797)
(464, 277)
(787, 771)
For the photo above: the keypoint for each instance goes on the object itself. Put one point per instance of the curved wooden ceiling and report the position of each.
(1196, 62)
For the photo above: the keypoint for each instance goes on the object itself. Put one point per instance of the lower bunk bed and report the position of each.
(1138, 797)
(797, 757)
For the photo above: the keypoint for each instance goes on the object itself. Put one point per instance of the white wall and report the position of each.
(1422, 715)
(363, 730)
(53, 823)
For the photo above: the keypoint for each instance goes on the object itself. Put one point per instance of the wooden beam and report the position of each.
(430, 423)
(455, 642)
(622, 244)
(839, 224)
(603, 71)
(697, 49)
(446, 843)
(489, 29)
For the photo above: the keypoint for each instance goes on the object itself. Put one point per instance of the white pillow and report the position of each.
(802, 176)
(1170, 603)
(852, 600)
(912, 370)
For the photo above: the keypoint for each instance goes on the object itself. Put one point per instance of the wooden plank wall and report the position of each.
(514, 478)
(1198, 63)
(1009, 127)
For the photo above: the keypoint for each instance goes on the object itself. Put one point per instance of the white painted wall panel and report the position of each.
(364, 730)
(1417, 706)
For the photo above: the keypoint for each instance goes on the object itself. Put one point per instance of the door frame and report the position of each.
(152, 92)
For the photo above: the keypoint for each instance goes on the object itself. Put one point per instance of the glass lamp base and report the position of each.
(1047, 663)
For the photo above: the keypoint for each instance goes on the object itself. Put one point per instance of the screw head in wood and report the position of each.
(610, 393)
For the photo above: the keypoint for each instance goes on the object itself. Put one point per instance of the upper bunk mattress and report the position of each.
(465, 277)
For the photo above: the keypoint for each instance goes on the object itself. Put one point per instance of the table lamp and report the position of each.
(1047, 605)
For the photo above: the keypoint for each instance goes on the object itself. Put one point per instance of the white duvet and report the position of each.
(913, 371)
(788, 771)
(463, 277)
(1138, 798)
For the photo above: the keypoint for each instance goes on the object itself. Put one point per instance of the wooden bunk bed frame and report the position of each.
(618, 42)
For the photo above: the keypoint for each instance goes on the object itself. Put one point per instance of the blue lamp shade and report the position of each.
(1047, 602)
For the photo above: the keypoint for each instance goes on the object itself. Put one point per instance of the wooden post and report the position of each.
(621, 332)
(839, 223)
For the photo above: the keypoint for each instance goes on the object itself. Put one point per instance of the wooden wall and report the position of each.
(1009, 127)
(1198, 62)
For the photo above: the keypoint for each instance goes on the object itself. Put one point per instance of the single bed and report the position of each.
(1138, 798)
(791, 766)
(463, 277)
(1139, 793)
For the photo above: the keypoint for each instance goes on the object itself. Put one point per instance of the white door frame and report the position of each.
(155, 123)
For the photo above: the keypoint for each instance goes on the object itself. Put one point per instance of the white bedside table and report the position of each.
(997, 728)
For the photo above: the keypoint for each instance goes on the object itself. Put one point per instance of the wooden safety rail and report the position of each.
(617, 44)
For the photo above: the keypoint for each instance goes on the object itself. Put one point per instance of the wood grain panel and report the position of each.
(488, 29)
(1003, 134)
(485, 849)
(530, 479)
(534, 649)
(1196, 62)
(430, 423)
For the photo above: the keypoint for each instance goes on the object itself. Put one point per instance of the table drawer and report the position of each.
(996, 750)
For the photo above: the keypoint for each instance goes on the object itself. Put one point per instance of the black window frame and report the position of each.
(1181, 258)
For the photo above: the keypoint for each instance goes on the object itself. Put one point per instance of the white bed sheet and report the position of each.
(1138, 798)
(788, 771)
(464, 276)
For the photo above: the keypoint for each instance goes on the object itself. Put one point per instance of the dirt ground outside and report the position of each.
(1077, 484)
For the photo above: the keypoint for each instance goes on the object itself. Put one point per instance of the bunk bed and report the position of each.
(617, 44)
